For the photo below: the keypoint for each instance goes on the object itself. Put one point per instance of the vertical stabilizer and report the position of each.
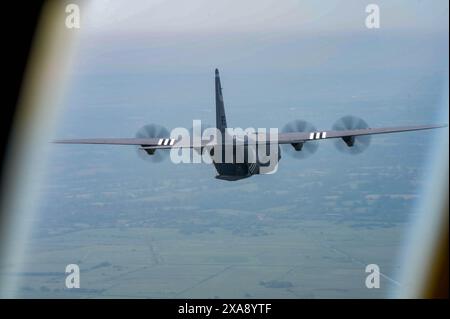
(221, 120)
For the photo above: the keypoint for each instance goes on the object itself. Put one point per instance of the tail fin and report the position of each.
(221, 120)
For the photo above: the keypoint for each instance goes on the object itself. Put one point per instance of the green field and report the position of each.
(306, 260)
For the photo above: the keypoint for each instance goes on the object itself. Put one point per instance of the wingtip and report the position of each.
(62, 142)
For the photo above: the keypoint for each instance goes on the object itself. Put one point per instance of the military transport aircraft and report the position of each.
(351, 134)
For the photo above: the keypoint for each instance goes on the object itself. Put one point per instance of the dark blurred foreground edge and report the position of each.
(19, 20)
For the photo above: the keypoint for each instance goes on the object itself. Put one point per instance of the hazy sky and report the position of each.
(259, 15)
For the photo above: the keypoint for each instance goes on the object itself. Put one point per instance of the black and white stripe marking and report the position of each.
(252, 167)
(317, 135)
(166, 141)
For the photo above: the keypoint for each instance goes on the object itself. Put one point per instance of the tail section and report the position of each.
(221, 120)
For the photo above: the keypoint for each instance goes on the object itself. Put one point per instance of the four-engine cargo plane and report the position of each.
(300, 138)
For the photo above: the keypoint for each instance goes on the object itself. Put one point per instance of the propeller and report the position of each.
(305, 149)
(152, 131)
(352, 144)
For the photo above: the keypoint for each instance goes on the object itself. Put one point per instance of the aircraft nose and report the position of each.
(217, 71)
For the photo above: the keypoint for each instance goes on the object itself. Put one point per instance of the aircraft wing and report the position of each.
(145, 143)
(300, 137)
(283, 138)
